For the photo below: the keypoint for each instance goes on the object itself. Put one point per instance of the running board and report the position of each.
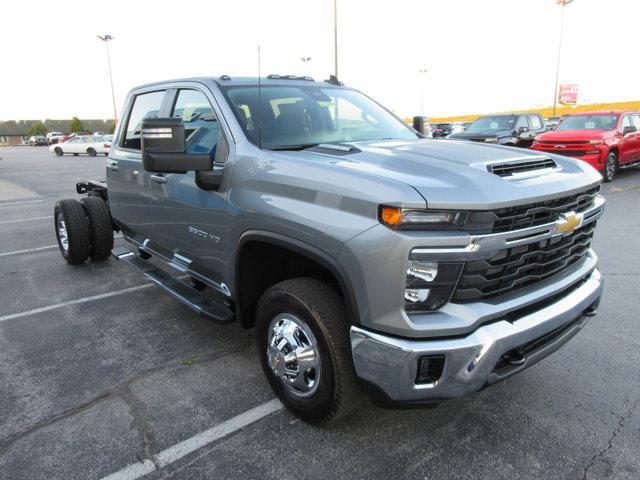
(210, 309)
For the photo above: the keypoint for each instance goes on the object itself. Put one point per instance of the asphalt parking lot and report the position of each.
(100, 372)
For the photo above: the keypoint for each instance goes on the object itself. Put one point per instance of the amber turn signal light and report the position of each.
(391, 216)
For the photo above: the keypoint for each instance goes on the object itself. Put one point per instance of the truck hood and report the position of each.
(452, 174)
(572, 135)
(464, 135)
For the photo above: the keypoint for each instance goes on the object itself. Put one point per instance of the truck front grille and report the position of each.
(531, 215)
(518, 267)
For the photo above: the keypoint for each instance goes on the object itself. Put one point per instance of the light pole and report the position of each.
(306, 61)
(562, 3)
(106, 39)
(335, 37)
(423, 73)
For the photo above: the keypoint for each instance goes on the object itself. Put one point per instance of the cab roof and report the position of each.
(273, 79)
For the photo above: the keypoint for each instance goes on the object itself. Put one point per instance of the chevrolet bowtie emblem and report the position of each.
(569, 222)
(559, 146)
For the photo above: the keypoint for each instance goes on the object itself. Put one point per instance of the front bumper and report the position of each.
(390, 364)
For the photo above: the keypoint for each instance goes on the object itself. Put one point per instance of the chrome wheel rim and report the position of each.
(62, 234)
(611, 167)
(293, 355)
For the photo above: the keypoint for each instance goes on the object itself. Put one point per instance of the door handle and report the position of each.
(158, 178)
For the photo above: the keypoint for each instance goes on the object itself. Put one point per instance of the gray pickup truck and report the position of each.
(368, 258)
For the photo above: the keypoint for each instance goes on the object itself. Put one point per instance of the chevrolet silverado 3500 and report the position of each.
(367, 258)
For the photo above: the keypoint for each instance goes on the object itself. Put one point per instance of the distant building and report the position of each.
(14, 132)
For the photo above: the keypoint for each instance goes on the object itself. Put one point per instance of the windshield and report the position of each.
(443, 125)
(299, 117)
(495, 123)
(589, 122)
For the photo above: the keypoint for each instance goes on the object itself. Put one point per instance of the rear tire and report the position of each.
(610, 167)
(305, 314)
(72, 231)
(91, 152)
(100, 225)
(58, 151)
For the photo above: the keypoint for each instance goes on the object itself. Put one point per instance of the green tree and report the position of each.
(111, 127)
(37, 128)
(76, 125)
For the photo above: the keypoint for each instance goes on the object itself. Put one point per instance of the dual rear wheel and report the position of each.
(83, 229)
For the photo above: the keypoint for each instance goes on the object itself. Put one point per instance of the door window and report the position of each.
(522, 122)
(201, 126)
(635, 121)
(534, 121)
(145, 105)
(626, 122)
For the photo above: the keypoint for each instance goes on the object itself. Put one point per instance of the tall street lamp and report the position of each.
(106, 39)
(423, 73)
(306, 61)
(562, 3)
(335, 37)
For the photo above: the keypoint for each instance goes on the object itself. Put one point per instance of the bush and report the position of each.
(111, 127)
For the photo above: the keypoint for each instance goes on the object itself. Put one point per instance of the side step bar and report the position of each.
(215, 311)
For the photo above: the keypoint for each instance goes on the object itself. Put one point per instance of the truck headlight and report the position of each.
(416, 219)
(490, 140)
(429, 284)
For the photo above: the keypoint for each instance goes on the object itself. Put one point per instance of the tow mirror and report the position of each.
(164, 148)
(629, 129)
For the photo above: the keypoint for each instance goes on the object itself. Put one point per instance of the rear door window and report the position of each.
(145, 105)
(535, 122)
(202, 129)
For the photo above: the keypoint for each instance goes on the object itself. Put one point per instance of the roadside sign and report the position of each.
(568, 94)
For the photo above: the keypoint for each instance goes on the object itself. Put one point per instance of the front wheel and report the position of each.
(302, 335)
(610, 167)
(58, 151)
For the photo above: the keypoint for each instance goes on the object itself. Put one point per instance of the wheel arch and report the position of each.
(248, 289)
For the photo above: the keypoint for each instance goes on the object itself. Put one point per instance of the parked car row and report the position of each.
(91, 145)
(606, 140)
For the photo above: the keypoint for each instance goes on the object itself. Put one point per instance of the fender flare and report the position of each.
(313, 253)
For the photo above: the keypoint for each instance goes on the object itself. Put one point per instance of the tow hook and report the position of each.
(515, 357)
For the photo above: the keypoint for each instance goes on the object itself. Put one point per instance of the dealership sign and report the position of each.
(568, 94)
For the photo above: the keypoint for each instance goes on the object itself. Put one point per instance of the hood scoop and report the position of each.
(516, 169)
(334, 149)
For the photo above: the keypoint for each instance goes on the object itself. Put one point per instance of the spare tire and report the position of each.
(100, 225)
(72, 231)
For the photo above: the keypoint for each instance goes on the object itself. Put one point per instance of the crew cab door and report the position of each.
(189, 216)
(128, 182)
(630, 144)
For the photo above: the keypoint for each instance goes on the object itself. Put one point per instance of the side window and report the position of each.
(522, 122)
(145, 105)
(534, 121)
(202, 129)
(635, 121)
(626, 122)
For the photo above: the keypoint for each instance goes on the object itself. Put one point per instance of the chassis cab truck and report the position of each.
(367, 259)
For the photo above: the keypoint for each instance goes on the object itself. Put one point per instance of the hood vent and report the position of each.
(508, 169)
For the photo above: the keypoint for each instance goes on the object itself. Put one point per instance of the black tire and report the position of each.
(106, 154)
(76, 228)
(91, 152)
(100, 225)
(610, 167)
(58, 151)
(322, 309)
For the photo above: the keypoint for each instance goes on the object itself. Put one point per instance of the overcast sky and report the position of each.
(482, 55)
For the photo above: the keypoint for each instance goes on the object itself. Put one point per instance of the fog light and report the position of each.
(429, 284)
(430, 369)
(416, 295)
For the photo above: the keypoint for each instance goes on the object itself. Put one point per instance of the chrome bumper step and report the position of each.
(210, 309)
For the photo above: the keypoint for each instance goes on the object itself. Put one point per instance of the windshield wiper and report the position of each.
(302, 146)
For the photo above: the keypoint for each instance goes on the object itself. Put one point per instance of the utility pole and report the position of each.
(106, 39)
(562, 3)
(423, 74)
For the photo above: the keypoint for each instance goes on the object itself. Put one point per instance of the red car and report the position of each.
(605, 140)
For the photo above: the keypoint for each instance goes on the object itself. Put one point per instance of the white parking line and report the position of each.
(25, 220)
(184, 448)
(18, 252)
(20, 203)
(75, 302)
